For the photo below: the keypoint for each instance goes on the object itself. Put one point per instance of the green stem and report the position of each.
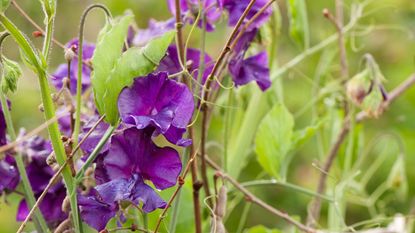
(77, 127)
(94, 154)
(50, 17)
(287, 185)
(40, 222)
(244, 216)
(53, 129)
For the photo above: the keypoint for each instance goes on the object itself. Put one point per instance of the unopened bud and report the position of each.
(51, 159)
(66, 205)
(326, 13)
(358, 87)
(220, 209)
(11, 73)
(37, 34)
(69, 54)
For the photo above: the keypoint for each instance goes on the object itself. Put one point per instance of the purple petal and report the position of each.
(236, 8)
(155, 29)
(9, 174)
(157, 101)
(62, 70)
(133, 152)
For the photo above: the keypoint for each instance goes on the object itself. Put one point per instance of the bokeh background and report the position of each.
(391, 41)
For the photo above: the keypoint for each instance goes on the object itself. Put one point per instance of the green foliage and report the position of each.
(135, 62)
(11, 73)
(4, 4)
(397, 179)
(108, 50)
(261, 229)
(276, 137)
(299, 28)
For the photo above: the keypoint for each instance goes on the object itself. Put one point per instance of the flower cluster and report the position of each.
(131, 168)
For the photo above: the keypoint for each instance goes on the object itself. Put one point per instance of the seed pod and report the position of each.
(220, 209)
(66, 205)
(64, 227)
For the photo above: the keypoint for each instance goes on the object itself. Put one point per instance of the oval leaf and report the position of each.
(273, 139)
(135, 62)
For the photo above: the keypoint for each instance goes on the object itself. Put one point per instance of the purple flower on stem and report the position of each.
(37, 150)
(154, 30)
(211, 10)
(8, 171)
(171, 63)
(62, 70)
(255, 68)
(102, 203)
(9, 174)
(132, 152)
(236, 8)
(157, 101)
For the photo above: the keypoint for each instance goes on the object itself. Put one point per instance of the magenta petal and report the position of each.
(236, 8)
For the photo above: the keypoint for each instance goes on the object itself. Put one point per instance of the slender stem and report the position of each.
(55, 177)
(255, 200)
(79, 176)
(315, 208)
(39, 220)
(286, 185)
(205, 95)
(180, 182)
(342, 46)
(80, 64)
(50, 21)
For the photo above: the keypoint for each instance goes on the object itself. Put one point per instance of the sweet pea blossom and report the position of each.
(36, 150)
(102, 203)
(132, 152)
(236, 8)
(211, 10)
(159, 102)
(154, 30)
(255, 68)
(8, 171)
(62, 70)
(171, 63)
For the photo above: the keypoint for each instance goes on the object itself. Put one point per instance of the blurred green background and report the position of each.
(391, 42)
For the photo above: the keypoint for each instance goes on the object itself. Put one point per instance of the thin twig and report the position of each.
(55, 177)
(32, 133)
(316, 203)
(206, 92)
(254, 199)
(180, 182)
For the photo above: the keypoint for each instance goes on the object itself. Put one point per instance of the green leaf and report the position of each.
(301, 136)
(261, 229)
(11, 73)
(108, 51)
(273, 139)
(299, 28)
(4, 4)
(135, 62)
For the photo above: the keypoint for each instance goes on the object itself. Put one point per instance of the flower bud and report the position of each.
(397, 177)
(11, 73)
(373, 102)
(69, 54)
(359, 87)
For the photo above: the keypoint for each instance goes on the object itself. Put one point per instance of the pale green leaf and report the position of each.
(261, 229)
(107, 52)
(135, 62)
(303, 135)
(273, 139)
(4, 4)
(299, 28)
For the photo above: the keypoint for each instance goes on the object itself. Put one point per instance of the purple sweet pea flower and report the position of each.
(8, 171)
(101, 204)
(62, 70)
(9, 174)
(37, 150)
(236, 8)
(253, 68)
(133, 152)
(157, 101)
(155, 29)
(211, 9)
(171, 64)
